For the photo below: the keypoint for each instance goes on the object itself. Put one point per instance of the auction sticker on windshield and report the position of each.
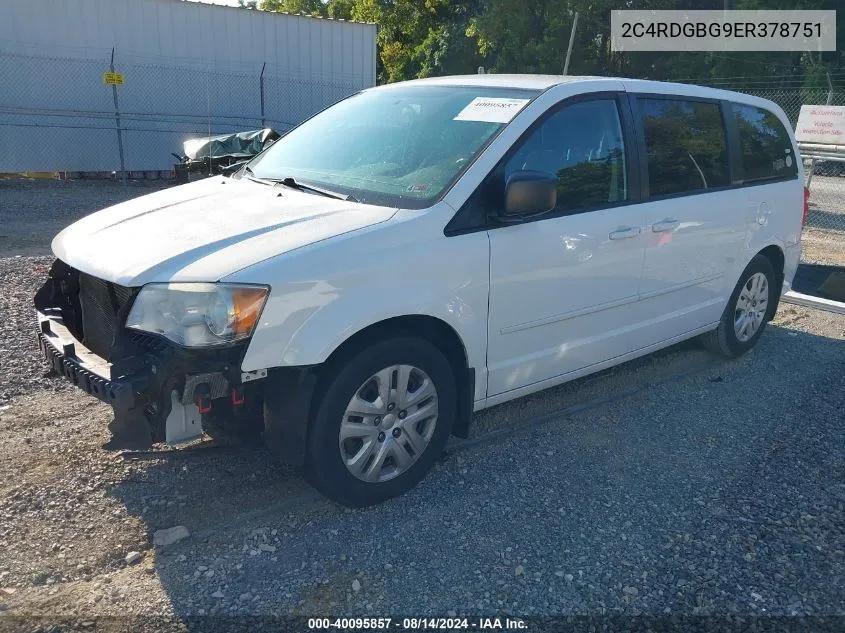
(491, 110)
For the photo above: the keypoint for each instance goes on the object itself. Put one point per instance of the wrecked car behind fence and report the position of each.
(221, 154)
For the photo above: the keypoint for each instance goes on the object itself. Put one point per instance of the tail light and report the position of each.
(806, 205)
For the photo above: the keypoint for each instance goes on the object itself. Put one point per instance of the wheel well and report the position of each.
(435, 331)
(775, 255)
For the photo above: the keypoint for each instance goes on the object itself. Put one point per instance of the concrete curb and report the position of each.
(810, 301)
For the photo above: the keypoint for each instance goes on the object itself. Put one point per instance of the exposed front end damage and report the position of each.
(158, 390)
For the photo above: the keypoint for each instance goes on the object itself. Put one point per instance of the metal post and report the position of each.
(813, 160)
(208, 113)
(117, 124)
(571, 41)
(261, 85)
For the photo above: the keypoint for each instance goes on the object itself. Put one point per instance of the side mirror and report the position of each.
(529, 193)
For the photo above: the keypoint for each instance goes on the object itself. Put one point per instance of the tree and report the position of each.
(308, 7)
(421, 38)
(340, 9)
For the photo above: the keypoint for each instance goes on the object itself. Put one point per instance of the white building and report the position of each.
(188, 68)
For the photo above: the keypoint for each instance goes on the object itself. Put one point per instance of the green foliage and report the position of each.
(418, 38)
(340, 9)
(421, 38)
(309, 7)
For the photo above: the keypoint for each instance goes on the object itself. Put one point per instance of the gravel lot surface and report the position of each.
(33, 211)
(819, 246)
(681, 483)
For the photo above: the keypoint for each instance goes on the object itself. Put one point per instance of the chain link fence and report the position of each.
(58, 114)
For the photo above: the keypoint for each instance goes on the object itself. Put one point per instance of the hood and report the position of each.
(204, 231)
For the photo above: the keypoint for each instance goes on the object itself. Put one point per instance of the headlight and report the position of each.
(196, 314)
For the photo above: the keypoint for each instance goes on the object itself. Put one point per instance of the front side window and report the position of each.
(685, 145)
(582, 146)
(401, 146)
(764, 145)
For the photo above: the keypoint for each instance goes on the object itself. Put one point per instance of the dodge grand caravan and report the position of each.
(423, 250)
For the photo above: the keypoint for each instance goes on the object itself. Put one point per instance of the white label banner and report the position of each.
(491, 109)
(714, 30)
(821, 124)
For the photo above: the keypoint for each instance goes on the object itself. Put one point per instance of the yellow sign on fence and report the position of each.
(113, 79)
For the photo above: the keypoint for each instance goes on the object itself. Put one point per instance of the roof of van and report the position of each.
(543, 82)
(532, 82)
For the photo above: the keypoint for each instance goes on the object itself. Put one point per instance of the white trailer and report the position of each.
(187, 69)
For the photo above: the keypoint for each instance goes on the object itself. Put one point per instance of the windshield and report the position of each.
(400, 146)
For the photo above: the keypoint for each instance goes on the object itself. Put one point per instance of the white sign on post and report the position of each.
(822, 124)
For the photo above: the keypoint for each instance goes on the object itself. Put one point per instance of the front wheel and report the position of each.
(747, 312)
(384, 416)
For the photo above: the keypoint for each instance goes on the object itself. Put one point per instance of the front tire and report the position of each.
(382, 419)
(747, 312)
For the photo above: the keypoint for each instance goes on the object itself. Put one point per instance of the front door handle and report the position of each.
(625, 233)
(665, 225)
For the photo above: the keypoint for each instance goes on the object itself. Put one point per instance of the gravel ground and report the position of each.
(33, 211)
(677, 484)
(820, 246)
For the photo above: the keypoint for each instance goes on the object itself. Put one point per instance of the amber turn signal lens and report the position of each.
(247, 303)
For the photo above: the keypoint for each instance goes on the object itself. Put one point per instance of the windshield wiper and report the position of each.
(293, 183)
(264, 181)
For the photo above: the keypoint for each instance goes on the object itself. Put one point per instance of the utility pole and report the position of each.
(571, 41)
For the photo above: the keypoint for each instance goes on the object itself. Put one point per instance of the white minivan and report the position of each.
(423, 250)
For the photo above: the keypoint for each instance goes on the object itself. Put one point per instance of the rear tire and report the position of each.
(343, 463)
(745, 315)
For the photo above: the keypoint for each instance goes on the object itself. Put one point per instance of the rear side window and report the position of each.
(764, 145)
(685, 145)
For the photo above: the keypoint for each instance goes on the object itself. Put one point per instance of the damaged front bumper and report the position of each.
(69, 358)
(156, 395)
(160, 391)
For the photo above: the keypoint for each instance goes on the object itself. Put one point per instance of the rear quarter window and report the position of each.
(765, 146)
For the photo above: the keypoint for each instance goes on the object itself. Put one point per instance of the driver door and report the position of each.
(563, 287)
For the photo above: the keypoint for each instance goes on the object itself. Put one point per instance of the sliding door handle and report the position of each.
(665, 225)
(625, 233)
